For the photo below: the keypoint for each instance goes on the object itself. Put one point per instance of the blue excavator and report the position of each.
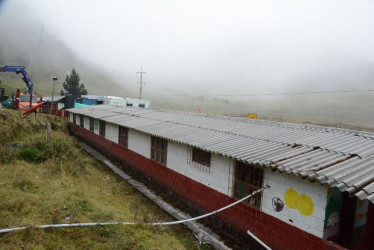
(26, 102)
(20, 70)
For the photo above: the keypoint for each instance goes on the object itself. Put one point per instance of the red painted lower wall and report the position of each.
(242, 217)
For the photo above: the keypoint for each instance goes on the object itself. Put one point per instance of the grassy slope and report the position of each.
(68, 182)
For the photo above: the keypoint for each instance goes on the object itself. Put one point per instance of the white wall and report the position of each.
(112, 100)
(119, 101)
(220, 178)
(140, 143)
(280, 183)
(136, 102)
(111, 132)
(217, 178)
(78, 121)
(96, 126)
(86, 122)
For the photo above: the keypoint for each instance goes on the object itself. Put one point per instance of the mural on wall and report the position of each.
(277, 204)
(332, 213)
(302, 203)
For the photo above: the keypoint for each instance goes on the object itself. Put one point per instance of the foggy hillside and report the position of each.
(347, 110)
(223, 60)
(27, 43)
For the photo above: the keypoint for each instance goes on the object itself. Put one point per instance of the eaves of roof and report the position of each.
(337, 157)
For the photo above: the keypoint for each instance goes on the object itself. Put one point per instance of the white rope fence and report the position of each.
(7, 230)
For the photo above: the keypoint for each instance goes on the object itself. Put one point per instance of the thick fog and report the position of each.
(217, 47)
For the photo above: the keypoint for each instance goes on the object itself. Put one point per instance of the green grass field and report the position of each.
(58, 182)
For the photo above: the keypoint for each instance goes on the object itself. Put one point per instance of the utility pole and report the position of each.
(53, 91)
(141, 82)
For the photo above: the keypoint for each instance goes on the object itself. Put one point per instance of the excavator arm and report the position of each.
(20, 70)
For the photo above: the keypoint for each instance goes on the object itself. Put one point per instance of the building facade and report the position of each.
(126, 102)
(208, 162)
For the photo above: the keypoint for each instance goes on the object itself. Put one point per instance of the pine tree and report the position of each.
(72, 86)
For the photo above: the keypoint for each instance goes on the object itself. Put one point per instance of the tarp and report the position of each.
(80, 105)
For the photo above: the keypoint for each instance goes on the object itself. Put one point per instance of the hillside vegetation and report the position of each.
(58, 182)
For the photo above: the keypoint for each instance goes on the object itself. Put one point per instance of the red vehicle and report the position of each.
(24, 101)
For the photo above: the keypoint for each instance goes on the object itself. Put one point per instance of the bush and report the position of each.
(59, 151)
(31, 154)
(59, 148)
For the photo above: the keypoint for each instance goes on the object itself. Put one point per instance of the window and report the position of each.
(159, 149)
(96, 126)
(81, 117)
(123, 136)
(102, 128)
(129, 104)
(26, 98)
(141, 105)
(74, 118)
(92, 124)
(199, 158)
(248, 179)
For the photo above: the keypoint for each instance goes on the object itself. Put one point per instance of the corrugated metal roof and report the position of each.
(340, 158)
(55, 98)
(95, 97)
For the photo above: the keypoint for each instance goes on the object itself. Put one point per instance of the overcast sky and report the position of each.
(220, 47)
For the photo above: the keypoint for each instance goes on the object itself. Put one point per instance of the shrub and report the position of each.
(57, 148)
(31, 154)
(61, 151)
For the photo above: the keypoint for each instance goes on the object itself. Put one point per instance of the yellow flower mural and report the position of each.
(303, 203)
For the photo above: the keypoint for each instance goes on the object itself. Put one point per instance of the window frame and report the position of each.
(159, 149)
(102, 126)
(92, 124)
(251, 178)
(194, 154)
(81, 121)
(123, 136)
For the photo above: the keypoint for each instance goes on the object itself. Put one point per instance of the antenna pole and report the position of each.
(141, 81)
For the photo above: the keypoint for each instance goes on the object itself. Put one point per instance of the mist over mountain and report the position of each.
(26, 42)
(227, 59)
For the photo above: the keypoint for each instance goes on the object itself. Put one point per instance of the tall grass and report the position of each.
(45, 182)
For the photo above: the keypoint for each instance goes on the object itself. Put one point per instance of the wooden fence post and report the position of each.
(49, 132)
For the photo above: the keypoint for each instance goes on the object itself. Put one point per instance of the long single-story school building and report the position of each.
(321, 179)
